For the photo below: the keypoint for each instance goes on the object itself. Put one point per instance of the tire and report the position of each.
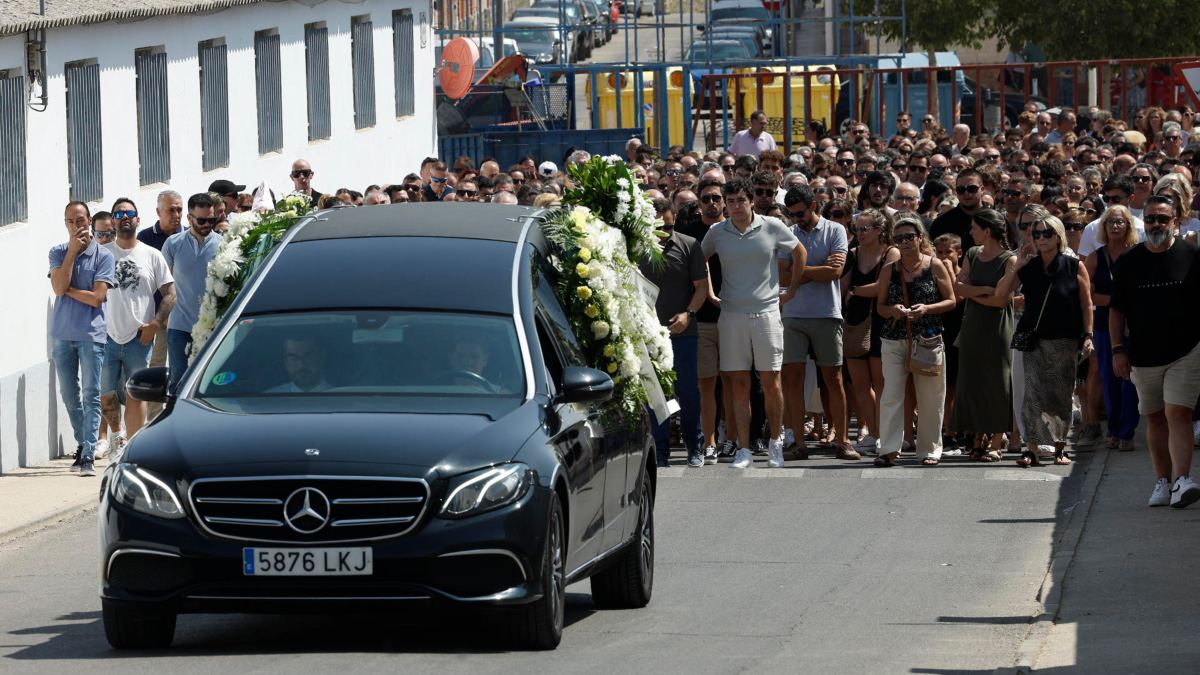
(132, 628)
(629, 581)
(539, 625)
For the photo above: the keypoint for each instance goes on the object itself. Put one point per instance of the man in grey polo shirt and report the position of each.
(751, 332)
(188, 254)
(812, 321)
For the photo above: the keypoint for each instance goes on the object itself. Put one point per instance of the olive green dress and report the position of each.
(983, 395)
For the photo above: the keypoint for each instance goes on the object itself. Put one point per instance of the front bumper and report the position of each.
(492, 559)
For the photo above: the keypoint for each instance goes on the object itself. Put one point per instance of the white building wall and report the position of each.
(32, 426)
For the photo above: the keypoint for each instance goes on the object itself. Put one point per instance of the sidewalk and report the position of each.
(38, 497)
(1131, 597)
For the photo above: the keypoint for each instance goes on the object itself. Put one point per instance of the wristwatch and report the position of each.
(1118, 349)
(691, 314)
(1086, 336)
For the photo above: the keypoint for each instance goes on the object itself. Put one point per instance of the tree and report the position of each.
(934, 25)
(1083, 29)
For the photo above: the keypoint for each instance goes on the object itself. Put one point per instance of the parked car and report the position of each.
(748, 38)
(638, 7)
(703, 50)
(540, 39)
(758, 30)
(577, 18)
(745, 12)
(386, 435)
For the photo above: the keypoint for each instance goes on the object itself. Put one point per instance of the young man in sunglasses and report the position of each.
(1117, 189)
(302, 173)
(134, 319)
(81, 272)
(969, 188)
(438, 187)
(1154, 291)
(188, 254)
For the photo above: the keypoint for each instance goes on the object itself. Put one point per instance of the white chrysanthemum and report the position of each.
(623, 183)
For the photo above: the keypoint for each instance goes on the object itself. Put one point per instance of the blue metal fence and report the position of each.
(506, 147)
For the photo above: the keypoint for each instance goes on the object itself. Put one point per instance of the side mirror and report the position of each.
(584, 385)
(149, 384)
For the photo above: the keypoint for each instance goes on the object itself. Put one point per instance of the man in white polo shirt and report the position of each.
(750, 328)
(755, 140)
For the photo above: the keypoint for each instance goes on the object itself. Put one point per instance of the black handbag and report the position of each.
(1026, 340)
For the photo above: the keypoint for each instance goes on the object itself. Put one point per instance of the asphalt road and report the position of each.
(831, 568)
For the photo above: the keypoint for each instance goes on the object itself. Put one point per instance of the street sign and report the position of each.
(1189, 73)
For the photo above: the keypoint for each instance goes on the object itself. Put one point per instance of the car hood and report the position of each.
(195, 440)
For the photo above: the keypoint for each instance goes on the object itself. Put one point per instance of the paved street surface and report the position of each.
(833, 567)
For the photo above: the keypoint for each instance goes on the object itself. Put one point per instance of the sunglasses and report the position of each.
(992, 158)
(840, 190)
(435, 179)
(121, 215)
(1114, 199)
(727, 167)
(898, 167)
(863, 229)
(764, 192)
(307, 173)
(837, 214)
(1157, 219)
(965, 189)
(1141, 179)
(1013, 193)
(820, 191)
(1074, 227)
(1042, 234)
(207, 221)
(845, 162)
(711, 199)
(917, 167)
(244, 208)
(1090, 212)
(1172, 138)
(906, 237)
(674, 173)
(468, 193)
(105, 234)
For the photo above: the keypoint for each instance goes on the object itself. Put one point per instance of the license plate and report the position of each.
(307, 562)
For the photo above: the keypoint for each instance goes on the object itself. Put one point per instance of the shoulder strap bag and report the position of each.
(926, 353)
(1026, 340)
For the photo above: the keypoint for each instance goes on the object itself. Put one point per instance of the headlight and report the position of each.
(144, 492)
(545, 58)
(487, 489)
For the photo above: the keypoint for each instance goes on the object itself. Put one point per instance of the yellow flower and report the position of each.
(582, 270)
(612, 367)
(583, 292)
(585, 254)
(609, 351)
(591, 311)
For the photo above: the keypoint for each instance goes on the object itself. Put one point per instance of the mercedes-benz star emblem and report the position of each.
(306, 510)
(312, 452)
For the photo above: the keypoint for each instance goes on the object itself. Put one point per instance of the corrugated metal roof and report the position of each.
(17, 16)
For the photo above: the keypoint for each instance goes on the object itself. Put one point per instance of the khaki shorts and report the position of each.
(1177, 383)
(709, 361)
(822, 336)
(751, 341)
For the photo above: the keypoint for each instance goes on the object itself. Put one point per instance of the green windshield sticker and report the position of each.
(224, 378)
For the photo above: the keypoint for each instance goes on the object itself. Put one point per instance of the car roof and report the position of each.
(533, 20)
(426, 219)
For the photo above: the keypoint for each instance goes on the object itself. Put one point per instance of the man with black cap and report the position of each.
(229, 191)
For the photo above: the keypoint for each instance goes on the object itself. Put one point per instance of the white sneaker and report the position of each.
(743, 459)
(710, 455)
(1185, 492)
(116, 447)
(101, 450)
(789, 437)
(1162, 493)
(775, 453)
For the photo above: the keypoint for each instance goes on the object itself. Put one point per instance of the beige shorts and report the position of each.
(709, 359)
(751, 341)
(1177, 383)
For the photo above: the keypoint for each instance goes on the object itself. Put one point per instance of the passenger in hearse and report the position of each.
(304, 360)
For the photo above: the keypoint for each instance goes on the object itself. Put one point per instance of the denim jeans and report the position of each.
(121, 361)
(178, 344)
(79, 362)
(687, 393)
(1120, 396)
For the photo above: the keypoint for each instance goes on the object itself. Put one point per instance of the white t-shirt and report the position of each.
(140, 272)
(745, 144)
(1089, 241)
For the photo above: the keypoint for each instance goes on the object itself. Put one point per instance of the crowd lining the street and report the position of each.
(938, 292)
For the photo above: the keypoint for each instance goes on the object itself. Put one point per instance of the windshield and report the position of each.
(569, 11)
(366, 353)
(744, 13)
(700, 51)
(532, 38)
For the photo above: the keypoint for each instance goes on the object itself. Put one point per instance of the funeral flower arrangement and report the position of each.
(250, 238)
(605, 227)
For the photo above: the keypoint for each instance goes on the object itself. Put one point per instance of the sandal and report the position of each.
(1113, 443)
(1028, 459)
(1061, 458)
(885, 461)
(1124, 446)
(930, 461)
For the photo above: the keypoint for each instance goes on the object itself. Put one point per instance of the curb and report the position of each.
(1062, 557)
(65, 514)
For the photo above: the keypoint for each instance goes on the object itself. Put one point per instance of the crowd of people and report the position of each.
(935, 293)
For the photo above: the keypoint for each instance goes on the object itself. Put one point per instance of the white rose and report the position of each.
(600, 329)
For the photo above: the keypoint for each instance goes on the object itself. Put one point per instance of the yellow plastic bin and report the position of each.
(607, 101)
(824, 97)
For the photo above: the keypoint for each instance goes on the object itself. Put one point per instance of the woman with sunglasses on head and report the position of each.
(1058, 317)
(984, 390)
(860, 290)
(917, 290)
(1116, 237)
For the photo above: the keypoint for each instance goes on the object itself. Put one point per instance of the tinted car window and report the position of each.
(366, 353)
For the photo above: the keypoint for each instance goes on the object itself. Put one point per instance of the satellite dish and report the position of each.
(457, 71)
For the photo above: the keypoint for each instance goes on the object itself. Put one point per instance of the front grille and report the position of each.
(308, 509)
